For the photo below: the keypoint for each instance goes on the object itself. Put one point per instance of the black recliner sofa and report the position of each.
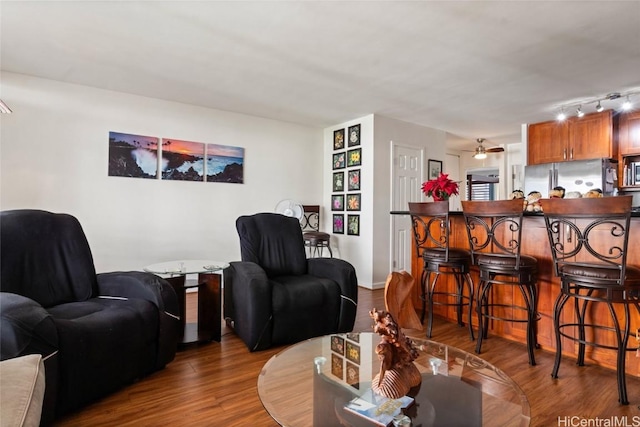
(97, 332)
(275, 295)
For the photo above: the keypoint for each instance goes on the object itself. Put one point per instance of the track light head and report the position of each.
(561, 116)
(4, 108)
(579, 111)
(599, 107)
(626, 105)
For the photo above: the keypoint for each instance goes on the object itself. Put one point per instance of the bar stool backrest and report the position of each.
(494, 228)
(589, 232)
(310, 220)
(430, 223)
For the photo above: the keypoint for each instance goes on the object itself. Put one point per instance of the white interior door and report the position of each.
(407, 179)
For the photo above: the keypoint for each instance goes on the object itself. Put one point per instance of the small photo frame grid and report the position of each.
(346, 181)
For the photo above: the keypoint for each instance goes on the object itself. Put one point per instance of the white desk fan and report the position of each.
(288, 207)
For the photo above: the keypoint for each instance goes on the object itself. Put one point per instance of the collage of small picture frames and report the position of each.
(345, 358)
(346, 161)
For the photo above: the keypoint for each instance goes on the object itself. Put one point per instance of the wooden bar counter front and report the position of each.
(536, 244)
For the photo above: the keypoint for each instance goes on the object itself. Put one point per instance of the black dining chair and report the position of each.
(431, 233)
(494, 230)
(589, 240)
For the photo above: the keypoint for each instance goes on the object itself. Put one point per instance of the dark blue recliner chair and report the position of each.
(97, 332)
(276, 296)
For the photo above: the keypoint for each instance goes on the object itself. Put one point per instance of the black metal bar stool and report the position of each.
(431, 232)
(314, 239)
(494, 229)
(589, 239)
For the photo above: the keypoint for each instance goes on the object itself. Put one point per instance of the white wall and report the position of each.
(53, 156)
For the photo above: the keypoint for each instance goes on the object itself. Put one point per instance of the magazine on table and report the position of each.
(377, 408)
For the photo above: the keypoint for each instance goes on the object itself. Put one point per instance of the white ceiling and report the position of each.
(474, 69)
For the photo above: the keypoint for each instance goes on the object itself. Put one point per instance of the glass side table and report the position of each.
(208, 327)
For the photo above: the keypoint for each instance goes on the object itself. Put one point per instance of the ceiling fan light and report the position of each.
(480, 153)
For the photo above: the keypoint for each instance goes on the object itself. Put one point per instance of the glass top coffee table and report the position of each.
(310, 383)
(208, 327)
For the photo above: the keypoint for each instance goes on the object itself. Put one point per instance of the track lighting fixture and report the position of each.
(607, 101)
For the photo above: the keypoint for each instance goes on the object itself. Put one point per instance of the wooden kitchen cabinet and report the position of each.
(547, 142)
(629, 133)
(577, 138)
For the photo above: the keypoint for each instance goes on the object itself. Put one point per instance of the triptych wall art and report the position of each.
(346, 159)
(139, 156)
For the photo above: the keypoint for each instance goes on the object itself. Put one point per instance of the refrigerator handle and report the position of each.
(553, 179)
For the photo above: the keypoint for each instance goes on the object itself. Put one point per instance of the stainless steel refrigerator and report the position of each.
(579, 175)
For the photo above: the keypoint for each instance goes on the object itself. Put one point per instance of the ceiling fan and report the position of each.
(481, 151)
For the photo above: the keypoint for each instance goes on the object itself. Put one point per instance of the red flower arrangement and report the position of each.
(440, 188)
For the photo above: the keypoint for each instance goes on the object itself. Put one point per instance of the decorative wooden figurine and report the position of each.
(396, 351)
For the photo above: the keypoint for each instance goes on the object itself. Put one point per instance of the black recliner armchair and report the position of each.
(97, 332)
(275, 295)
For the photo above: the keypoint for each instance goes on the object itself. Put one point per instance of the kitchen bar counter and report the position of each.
(535, 243)
(634, 214)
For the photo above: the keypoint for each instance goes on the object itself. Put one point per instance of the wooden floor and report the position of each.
(215, 384)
